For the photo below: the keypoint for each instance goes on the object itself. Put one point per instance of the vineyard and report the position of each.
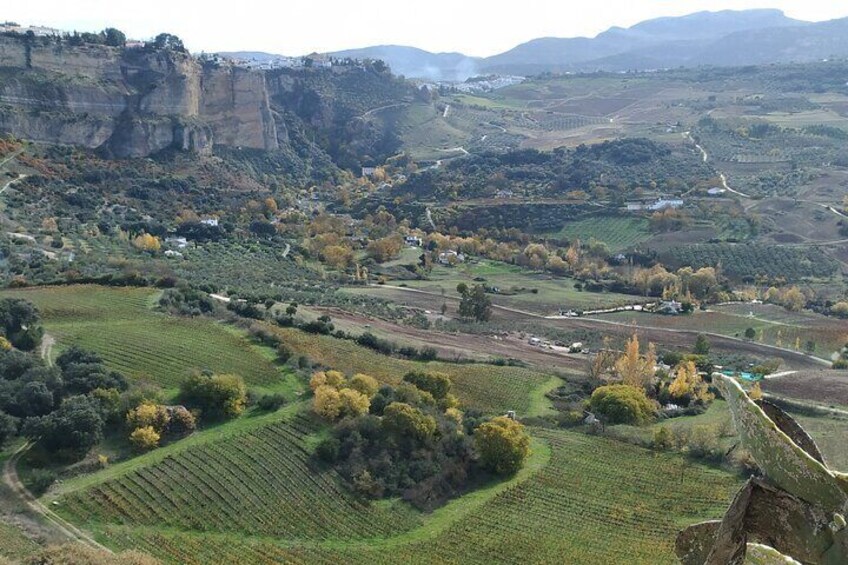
(489, 388)
(752, 260)
(596, 501)
(258, 483)
(119, 324)
(617, 232)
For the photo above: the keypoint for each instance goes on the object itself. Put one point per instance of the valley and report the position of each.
(308, 310)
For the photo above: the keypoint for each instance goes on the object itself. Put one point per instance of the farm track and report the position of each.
(666, 336)
(59, 525)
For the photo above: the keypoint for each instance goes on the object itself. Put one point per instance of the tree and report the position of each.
(181, 422)
(503, 445)
(338, 256)
(702, 345)
(474, 303)
(385, 249)
(437, 384)
(20, 323)
(218, 397)
(145, 438)
(114, 37)
(688, 386)
(169, 42)
(405, 421)
(327, 402)
(76, 426)
(622, 404)
(149, 415)
(633, 368)
(840, 309)
(750, 333)
(8, 427)
(353, 402)
(366, 384)
(147, 242)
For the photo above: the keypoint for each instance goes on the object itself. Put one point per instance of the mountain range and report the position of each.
(705, 38)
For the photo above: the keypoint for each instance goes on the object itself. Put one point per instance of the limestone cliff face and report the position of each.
(129, 103)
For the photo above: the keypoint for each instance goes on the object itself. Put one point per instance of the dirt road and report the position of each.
(665, 336)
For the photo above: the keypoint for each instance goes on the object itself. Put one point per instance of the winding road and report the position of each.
(687, 135)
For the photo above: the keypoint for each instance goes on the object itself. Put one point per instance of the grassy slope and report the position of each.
(119, 323)
(617, 232)
(489, 388)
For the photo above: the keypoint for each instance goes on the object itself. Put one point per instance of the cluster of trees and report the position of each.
(214, 397)
(636, 388)
(411, 440)
(66, 406)
(150, 422)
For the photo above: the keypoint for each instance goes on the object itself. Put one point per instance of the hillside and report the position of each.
(745, 37)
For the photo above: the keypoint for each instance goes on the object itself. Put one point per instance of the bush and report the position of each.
(503, 445)
(145, 438)
(840, 364)
(271, 402)
(39, 480)
(217, 397)
(622, 404)
(437, 384)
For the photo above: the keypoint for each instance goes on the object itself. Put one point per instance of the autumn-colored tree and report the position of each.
(633, 368)
(338, 256)
(353, 402)
(49, 225)
(503, 445)
(150, 415)
(147, 242)
(688, 386)
(182, 422)
(793, 299)
(756, 392)
(840, 309)
(366, 384)
(384, 249)
(327, 402)
(333, 379)
(145, 438)
(406, 421)
(217, 397)
(437, 384)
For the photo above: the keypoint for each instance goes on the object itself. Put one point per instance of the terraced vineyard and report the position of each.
(596, 501)
(257, 483)
(490, 388)
(120, 325)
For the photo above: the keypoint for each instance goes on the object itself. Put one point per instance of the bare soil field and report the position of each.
(824, 387)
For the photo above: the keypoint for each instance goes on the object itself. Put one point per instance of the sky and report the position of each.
(473, 27)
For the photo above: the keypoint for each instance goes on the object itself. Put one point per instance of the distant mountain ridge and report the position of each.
(704, 38)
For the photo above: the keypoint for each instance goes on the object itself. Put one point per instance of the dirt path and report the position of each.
(705, 157)
(61, 526)
(666, 336)
(47, 343)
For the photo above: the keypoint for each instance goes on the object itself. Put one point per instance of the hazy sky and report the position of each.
(471, 26)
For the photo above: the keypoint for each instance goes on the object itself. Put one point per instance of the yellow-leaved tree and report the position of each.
(688, 383)
(633, 368)
(327, 402)
(147, 242)
(145, 438)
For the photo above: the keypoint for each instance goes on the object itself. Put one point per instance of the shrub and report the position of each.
(39, 480)
(182, 422)
(145, 438)
(503, 445)
(366, 384)
(622, 404)
(271, 402)
(218, 397)
(404, 420)
(840, 364)
(437, 384)
(327, 402)
(354, 403)
(148, 415)
(663, 438)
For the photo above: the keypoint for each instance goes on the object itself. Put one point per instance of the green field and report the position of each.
(617, 232)
(120, 325)
(490, 388)
(594, 501)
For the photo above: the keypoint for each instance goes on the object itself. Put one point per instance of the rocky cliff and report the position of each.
(129, 102)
